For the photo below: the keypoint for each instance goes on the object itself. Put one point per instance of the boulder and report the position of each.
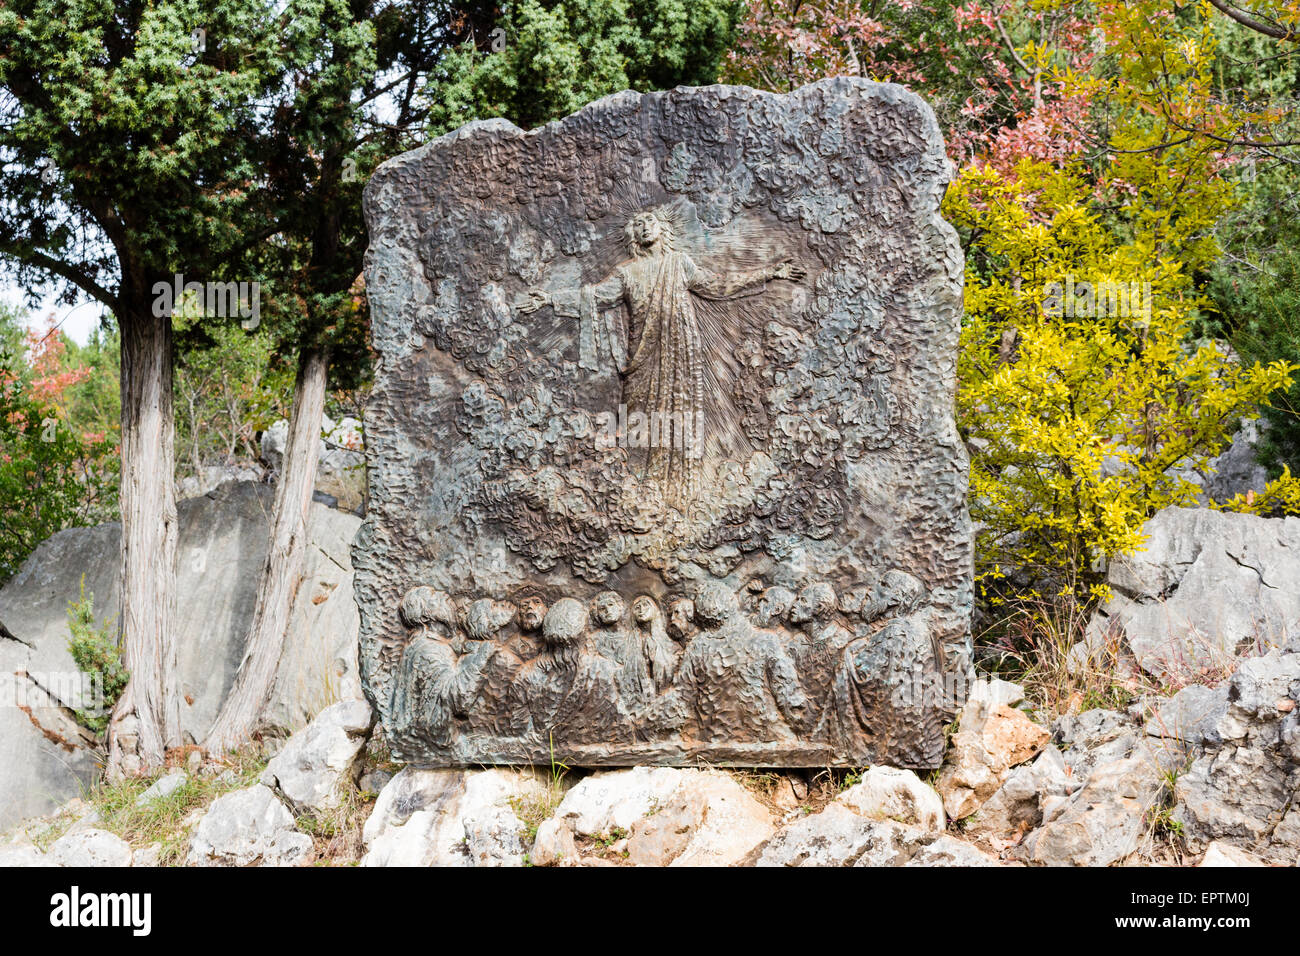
(223, 541)
(881, 821)
(1103, 821)
(319, 762)
(1208, 587)
(90, 848)
(1241, 786)
(603, 803)
(1018, 805)
(45, 756)
(451, 818)
(711, 820)
(341, 466)
(992, 737)
(248, 827)
(886, 793)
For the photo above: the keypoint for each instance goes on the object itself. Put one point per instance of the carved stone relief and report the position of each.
(661, 449)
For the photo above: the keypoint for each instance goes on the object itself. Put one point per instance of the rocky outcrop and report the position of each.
(992, 737)
(44, 758)
(321, 762)
(1209, 587)
(341, 467)
(1241, 785)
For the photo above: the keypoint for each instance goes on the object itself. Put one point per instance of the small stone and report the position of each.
(90, 848)
(1219, 853)
(554, 845)
(162, 788)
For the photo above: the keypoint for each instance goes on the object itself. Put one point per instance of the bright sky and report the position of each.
(78, 320)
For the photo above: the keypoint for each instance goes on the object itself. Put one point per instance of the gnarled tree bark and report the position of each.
(146, 718)
(282, 572)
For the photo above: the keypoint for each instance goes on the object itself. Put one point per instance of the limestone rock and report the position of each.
(321, 760)
(1103, 821)
(1240, 787)
(991, 738)
(340, 467)
(1208, 587)
(45, 757)
(248, 827)
(1018, 805)
(451, 818)
(1192, 714)
(837, 836)
(23, 854)
(711, 820)
(223, 539)
(881, 821)
(887, 793)
(613, 800)
(1219, 853)
(162, 788)
(554, 844)
(90, 848)
(949, 851)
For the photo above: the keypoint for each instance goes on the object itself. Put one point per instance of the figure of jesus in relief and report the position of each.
(663, 350)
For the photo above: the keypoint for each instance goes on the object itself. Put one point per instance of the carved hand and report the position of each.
(787, 269)
(536, 299)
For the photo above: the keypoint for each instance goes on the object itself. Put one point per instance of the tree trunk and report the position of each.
(282, 573)
(146, 719)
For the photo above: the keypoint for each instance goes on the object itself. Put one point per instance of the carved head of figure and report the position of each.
(898, 593)
(532, 610)
(715, 604)
(644, 609)
(815, 603)
(608, 608)
(643, 231)
(564, 624)
(681, 614)
(774, 603)
(903, 591)
(484, 617)
(423, 607)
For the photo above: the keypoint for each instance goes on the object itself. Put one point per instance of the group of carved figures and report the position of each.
(700, 670)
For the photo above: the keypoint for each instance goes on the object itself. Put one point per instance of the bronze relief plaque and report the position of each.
(661, 450)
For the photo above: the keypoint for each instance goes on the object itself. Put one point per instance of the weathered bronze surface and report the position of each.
(661, 449)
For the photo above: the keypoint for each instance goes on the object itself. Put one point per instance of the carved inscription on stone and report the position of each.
(661, 449)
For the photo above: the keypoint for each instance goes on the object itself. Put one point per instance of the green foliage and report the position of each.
(95, 651)
(1261, 315)
(553, 58)
(228, 385)
(51, 475)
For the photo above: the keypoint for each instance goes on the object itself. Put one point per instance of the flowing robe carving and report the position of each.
(663, 355)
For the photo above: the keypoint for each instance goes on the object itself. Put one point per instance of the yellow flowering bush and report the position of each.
(1083, 402)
